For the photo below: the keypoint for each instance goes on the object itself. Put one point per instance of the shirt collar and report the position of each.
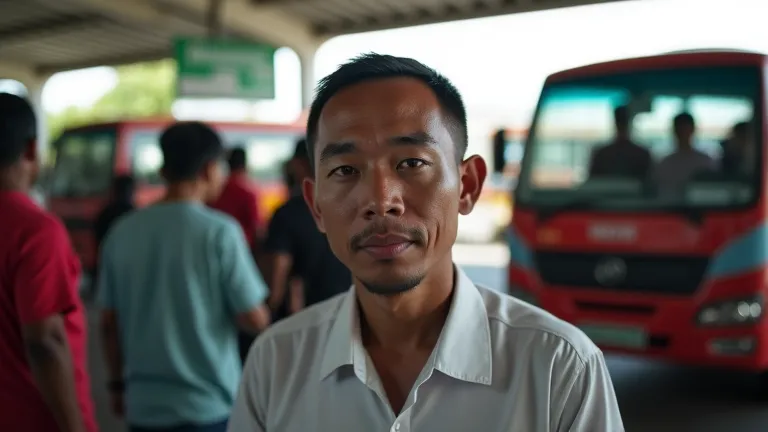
(463, 350)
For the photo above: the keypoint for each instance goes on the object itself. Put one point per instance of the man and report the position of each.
(680, 167)
(238, 199)
(738, 152)
(414, 345)
(299, 249)
(176, 281)
(121, 203)
(622, 157)
(44, 383)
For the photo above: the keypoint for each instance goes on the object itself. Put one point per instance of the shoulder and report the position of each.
(518, 324)
(39, 223)
(300, 336)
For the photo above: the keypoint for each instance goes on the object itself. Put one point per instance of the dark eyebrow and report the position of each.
(418, 138)
(336, 149)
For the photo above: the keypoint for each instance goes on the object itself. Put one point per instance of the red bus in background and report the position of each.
(680, 278)
(88, 158)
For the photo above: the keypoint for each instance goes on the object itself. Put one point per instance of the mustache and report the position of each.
(387, 228)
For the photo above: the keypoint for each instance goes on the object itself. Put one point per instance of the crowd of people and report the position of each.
(625, 158)
(378, 186)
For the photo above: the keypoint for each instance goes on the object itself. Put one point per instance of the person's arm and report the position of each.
(591, 404)
(243, 286)
(110, 336)
(296, 299)
(279, 244)
(253, 216)
(45, 291)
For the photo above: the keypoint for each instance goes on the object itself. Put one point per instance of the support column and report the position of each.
(308, 80)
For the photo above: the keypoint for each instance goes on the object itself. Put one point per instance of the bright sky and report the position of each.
(497, 63)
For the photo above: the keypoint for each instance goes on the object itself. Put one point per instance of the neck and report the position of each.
(186, 191)
(241, 172)
(13, 180)
(410, 320)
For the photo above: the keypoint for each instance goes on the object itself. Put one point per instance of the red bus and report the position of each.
(678, 277)
(88, 158)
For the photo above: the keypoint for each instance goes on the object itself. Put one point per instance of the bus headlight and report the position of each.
(746, 310)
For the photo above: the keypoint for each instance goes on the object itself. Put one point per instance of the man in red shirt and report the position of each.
(238, 198)
(44, 384)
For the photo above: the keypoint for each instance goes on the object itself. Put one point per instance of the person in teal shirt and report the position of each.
(176, 282)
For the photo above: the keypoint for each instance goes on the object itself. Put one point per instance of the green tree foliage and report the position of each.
(142, 90)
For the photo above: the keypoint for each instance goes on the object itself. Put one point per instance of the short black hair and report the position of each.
(301, 151)
(621, 116)
(187, 147)
(237, 159)
(18, 127)
(372, 66)
(741, 129)
(123, 186)
(683, 119)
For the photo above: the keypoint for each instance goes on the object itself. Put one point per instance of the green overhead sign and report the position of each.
(220, 68)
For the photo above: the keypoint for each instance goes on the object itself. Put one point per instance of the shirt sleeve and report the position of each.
(243, 285)
(45, 276)
(591, 405)
(248, 413)
(280, 233)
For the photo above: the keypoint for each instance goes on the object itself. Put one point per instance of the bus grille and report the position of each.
(673, 275)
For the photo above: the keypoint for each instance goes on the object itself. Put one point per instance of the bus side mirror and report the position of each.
(499, 147)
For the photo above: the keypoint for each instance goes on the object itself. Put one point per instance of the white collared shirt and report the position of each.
(500, 365)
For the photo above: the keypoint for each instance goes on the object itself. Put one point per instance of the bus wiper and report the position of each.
(581, 203)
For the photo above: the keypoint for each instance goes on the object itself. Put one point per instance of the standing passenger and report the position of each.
(239, 198)
(44, 383)
(300, 252)
(177, 279)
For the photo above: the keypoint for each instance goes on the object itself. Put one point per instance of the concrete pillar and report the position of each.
(308, 79)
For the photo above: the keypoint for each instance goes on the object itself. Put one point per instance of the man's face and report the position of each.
(684, 132)
(387, 188)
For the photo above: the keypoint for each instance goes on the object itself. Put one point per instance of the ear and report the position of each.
(473, 172)
(30, 151)
(308, 190)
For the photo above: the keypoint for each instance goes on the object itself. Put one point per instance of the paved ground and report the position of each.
(653, 397)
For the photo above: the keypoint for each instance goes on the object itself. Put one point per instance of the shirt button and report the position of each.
(397, 426)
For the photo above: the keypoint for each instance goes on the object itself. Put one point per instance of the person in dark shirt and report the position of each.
(622, 157)
(300, 251)
(120, 203)
(738, 152)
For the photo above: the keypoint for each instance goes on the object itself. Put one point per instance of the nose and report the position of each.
(382, 194)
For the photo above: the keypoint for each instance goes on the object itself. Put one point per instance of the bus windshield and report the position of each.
(266, 150)
(577, 120)
(84, 162)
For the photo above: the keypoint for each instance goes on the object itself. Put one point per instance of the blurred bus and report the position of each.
(680, 279)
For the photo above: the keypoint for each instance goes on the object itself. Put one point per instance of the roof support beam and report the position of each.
(478, 9)
(267, 24)
(46, 28)
(118, 60)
